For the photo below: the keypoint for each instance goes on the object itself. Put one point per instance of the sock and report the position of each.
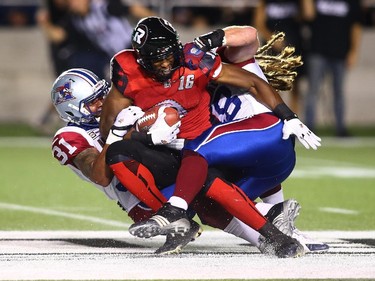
(236, 202)
(139, 181)
(273, 196)
(178, 202)
(241, 230)
(263, 208)
(191, 176)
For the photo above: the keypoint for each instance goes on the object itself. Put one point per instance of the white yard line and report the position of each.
(50, 212)
(339, 211)
(55, 255)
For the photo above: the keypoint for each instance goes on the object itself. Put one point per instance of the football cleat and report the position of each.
(167, 220)
(279, 244)
(175, 243)
(283, 246)
(283, 215)
(308, 243)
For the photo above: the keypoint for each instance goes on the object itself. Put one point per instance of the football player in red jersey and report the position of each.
(161, 70)
(78, 95)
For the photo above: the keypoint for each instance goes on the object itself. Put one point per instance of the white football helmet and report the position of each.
(73, 90)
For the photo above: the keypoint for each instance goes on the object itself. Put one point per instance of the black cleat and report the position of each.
(168, 220)
(274, 242)
(282, 246)
(175, 243)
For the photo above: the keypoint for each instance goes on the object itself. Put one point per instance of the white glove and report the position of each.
(305, 136)
(124, 121)
(176, 144)
(161, 132)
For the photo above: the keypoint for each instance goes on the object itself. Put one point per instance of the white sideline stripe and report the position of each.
(329, 162)
(50, 212)
(329, 171)
(46, 142)
(339, 211)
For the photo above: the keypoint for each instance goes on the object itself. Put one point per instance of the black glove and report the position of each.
(210, 40)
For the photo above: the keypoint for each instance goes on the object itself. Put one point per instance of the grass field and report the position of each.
(335, 186)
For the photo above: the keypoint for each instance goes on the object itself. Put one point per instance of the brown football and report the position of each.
(144, 123)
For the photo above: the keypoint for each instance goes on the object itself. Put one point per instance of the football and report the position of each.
(144, 123)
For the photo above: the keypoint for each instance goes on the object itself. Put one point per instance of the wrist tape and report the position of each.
(284, 112)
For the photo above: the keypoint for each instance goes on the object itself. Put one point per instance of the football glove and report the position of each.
(210, 40)
(305, 136)
(124, 121)
(161, 132)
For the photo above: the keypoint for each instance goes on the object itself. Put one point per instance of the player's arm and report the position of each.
(92, 164)
(113, 104)
(240, 43)
(262, 91)
(268, 96)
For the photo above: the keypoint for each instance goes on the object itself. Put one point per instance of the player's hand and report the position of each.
(161, 132)
(124, 121)
(305, 135)
(176, 144)
(210, 40)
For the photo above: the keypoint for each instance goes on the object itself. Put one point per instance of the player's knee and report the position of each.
(213, 173)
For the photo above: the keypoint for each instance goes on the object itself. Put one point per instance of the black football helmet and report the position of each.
(154, 39)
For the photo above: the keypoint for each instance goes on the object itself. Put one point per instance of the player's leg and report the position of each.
(235, 202)
(282, 215)
(273, 196)
(170, 218)
(143, 170)
(136, 166)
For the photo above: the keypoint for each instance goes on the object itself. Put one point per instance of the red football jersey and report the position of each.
(186, 91)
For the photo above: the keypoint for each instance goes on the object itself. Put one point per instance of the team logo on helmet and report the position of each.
(64, 93)
(140, 35)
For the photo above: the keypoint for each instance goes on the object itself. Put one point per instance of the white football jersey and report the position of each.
(70, 141)
(231, 103)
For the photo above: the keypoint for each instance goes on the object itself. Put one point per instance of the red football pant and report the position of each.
(140, 182)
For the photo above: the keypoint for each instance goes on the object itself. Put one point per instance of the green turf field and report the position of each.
(335, 186)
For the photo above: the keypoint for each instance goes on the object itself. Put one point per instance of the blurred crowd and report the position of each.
(23, 15)
(85, 33)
